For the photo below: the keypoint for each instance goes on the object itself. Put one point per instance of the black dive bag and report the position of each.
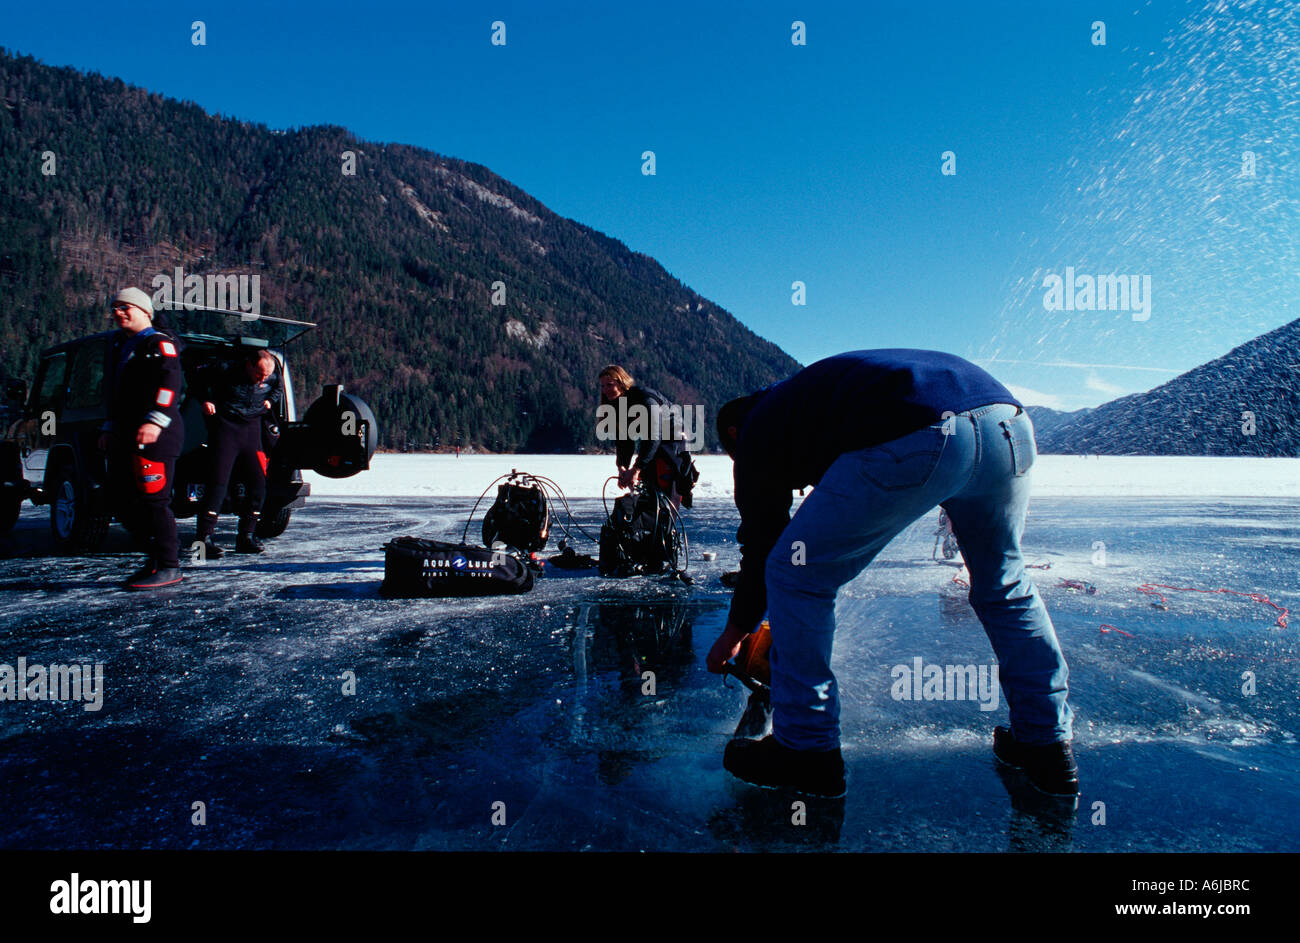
(417, 567)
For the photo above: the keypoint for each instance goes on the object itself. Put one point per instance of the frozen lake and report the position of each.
(582, 476)
(229, 691)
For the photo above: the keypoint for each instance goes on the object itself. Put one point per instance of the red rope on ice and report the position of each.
(1079, 584)
(1153, 589)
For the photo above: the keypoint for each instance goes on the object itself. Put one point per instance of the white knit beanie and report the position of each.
(134, 296)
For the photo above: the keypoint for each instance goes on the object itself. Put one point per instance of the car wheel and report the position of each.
(9, 510)
(273, 525)
(73, 526)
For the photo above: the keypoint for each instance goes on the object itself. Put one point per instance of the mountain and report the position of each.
(396, 263)
(1047, 420)
(1246, 402)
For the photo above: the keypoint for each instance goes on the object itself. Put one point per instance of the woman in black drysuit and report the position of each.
(660, 459)
(235, 401)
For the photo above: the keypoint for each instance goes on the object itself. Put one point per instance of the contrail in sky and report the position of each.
(1083, 366)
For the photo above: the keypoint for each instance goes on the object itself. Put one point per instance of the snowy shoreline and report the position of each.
(581, 476)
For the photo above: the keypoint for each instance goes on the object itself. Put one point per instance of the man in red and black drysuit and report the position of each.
(144, 433)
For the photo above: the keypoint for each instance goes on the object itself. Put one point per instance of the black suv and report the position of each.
(49, 451)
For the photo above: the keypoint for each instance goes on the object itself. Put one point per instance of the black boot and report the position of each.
(203, 531)
(149, 568)
(766, 763)
(1050, 767)
(163, 576)
(247, 541)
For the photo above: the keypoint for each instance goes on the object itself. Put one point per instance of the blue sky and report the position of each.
(820, 163)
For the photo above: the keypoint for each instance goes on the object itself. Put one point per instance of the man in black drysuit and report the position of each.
(235, 400)
(144, 434)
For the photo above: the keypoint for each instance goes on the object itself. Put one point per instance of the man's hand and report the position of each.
(628, 477)
(147, 434)
(210, 408)
(725, 648)
(104, 441)
(267, 404)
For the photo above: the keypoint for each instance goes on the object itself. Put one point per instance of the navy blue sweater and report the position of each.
(799, 426)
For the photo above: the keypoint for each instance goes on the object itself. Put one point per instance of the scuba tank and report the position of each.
(520, 517)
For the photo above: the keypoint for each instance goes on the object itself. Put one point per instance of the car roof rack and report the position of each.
(244, 315)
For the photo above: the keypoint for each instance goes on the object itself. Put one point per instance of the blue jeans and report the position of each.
(978, 471)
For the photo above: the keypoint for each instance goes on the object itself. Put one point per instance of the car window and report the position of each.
(85, 386)
(49, 388)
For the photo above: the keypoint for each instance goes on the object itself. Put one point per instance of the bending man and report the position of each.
(868, 429)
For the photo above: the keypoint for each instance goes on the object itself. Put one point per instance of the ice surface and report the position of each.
(229, 691)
